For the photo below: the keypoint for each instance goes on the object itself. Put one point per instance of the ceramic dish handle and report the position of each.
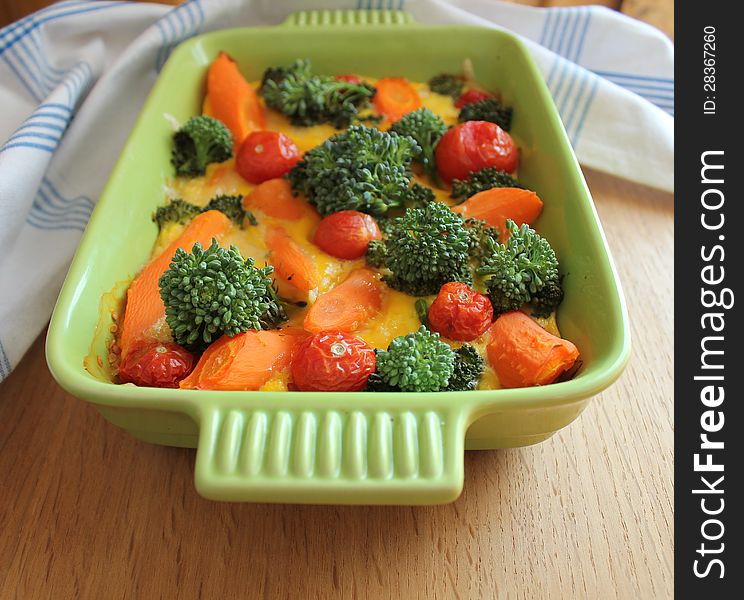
(365, 456)
(325, 18)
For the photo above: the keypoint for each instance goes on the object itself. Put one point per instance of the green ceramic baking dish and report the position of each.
(345, 448)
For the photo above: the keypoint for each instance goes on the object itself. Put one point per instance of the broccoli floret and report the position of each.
(482, 180)
(483, 240)
(375, 383)
(426, 128)
(417, 362)
(547, 299)
(447, 85)
(469, 367)
(214, 291)
(360, 169)
(200, 141)
(377, 253)
(232, 206)
(488, 109)
(309, 99)
(181, 212)
(518, 272)
(424, 249)
(176, 211)
(418, 196)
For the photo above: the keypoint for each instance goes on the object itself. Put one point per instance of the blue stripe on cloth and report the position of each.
(51, 210)
(562, 103)
(31, 74)
(46, 11)
(5, 367)
(568, 50)
(41, 213)
(49, 149)
(570, 115)
(34, 135)
(554, 32)
(26, 137)
(178, 29)
(50, 81)
(51, 203)
(560, 66)
(49, 115)
(549, 14)
(20, 77)
(58, 105)
(24, 28)
(582, 35)
(649, 96)
(40, 125)
(562, 36)
(584, 112)
(35, 39)
(50, 186)
(663, 81)
(60, 226)
(23, 136)
(641, 86)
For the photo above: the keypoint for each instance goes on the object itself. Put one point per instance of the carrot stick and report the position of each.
(395, 97)
(348, 306)
(523, 354)
(232, 100)
(290, 262)
(144, 308)
(274, 198)
(245, 361)
(496, 205)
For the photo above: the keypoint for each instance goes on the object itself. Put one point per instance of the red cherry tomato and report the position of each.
(471, 96)
(460, 313)
(266, 155)
(349, 78)
(472, 146)
(156, 364)
(346, 234)
(333, 362)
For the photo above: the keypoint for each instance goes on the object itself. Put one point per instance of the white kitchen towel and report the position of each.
(73, 78)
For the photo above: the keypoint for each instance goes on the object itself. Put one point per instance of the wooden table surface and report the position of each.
(86, 511)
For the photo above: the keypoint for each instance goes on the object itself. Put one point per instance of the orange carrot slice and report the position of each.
(396, 97)
(245, 361)
(232, 100)
(523, 354)
(496, 205)
(348, 306)
(290, 261)
(144, 306)
(274, 198)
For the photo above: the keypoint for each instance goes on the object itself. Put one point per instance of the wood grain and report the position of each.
(87, 511)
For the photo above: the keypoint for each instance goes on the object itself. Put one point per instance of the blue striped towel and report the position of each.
(73, 78)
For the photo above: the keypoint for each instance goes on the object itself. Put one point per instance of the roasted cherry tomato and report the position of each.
(472, 146)
(346, 234)
(460, 313)
(156, 364)
(266, 155)
(471, 96)
(349, 78)
(333, 362)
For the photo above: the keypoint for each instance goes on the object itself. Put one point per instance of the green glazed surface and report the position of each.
(359, 448)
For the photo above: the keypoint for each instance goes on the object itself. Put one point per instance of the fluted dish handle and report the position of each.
(365, 456)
